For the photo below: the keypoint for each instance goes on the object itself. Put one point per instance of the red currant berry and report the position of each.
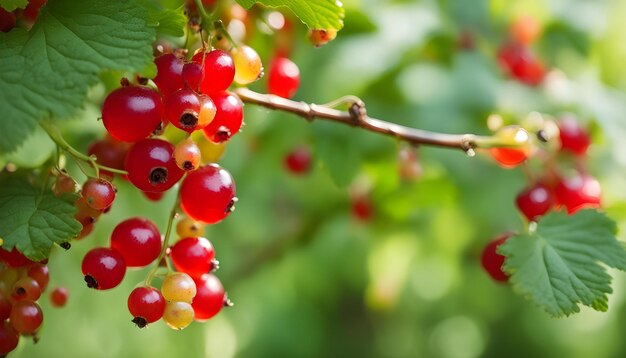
(228, 119)
(574, 138)
(109, 152)
(9, 338)
(59, 296)
(194, 256)
(492, 261)
(146, 304)
(169, 76)
(188, 227)
(578, 192)
(98, 193)
(525, 29)
(41, 274)
(320, 37)
(14, 258)
(7, 20)
(132, 113)
(535, 201)
(218, 68)
(298, 161)
(103, 268)
(284, 77)
(210, 297)
(32, 9)
(521, 64)
(192, 75)
(138, 240)
(85, 214)
(5, 307)
(178, 286)
(64, 184)
(362, 208)
(187, 155)
(26, 288)
(511, 157)
(182, 109)
(208, 194)
(26, 316)
(151, 165)
(248, 65)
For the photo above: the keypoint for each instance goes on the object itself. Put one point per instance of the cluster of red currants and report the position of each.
(516, 56)
(556, 189)
(22, 282)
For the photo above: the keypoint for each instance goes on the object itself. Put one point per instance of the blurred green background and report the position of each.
(307, 279)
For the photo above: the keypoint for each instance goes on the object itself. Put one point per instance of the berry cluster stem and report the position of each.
(357, 117)
(61, 143)
(166, 239)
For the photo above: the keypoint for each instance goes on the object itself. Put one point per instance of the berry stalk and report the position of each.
(357, 117)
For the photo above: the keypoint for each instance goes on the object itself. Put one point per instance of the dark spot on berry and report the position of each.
(91, 282)
(231, 205)
(65, 245)
(215, 265)
(141, 80)
(187, 165)
(222, 135)
(158, 176)
(140, 322)
(189, 119)
(20, 291)
(124, 82)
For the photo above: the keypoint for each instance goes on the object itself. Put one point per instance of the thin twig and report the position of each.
(356, 117)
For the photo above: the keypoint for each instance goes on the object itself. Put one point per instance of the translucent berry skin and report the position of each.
(98, 193)
(187, 155)
(41, 274)
(26, 288)
(26, 316)
(525, 29)
(9, 338)
(210, 297)
(32, 9)
(535, 201)
(152, 196)
(192, 75)
(284, 78)
(169, 76)
(146, 304)
(7, 20)
(492, 261)
(103, 268)
(520, 63)
(64, 184)
(14, 258)
(219, 71)
(228, 119)
(298, 162)
(151, 166)
(320, 37)
(574, 138)
(248, 64)
(208, 194)
(178, 286)
(193, 256)
(59, 296)
(578, 192)
(178, 315)
(511, 157)
(132, 113)
(189, 227)
(138, 240)
(85, 214)
(109, 152)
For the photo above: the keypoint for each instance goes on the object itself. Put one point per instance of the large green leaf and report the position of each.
(559, 265)
(46, 71)
(34, 219)
(316, 14)
(10, 5)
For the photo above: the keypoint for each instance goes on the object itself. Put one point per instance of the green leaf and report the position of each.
(34, 219)
(559, 264)
(46, 71)
(167, 21)
(10, 5)
(316, 14)
(337, 148)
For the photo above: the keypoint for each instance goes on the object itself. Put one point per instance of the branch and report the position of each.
(357, 117)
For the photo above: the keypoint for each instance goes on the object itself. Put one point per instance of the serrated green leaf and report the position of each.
(316, 14)
(46, 71)
(10, 5)
(559, 265)
(172, 22)
(34, 219)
